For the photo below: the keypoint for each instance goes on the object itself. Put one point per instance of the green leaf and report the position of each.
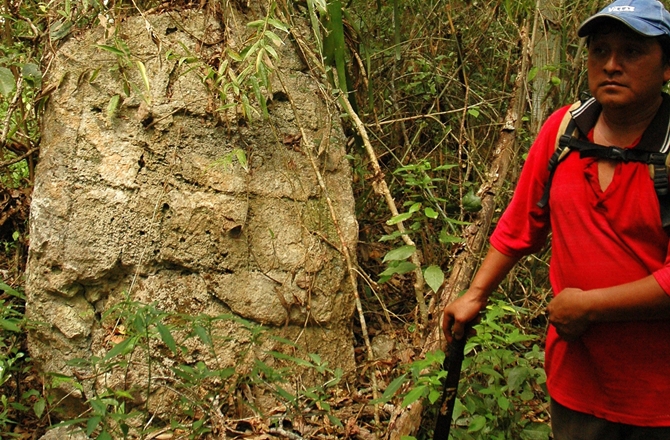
(166, 337)
(399, 268)
(10, 325)
(39, 407)
(434, 277)
(273, 53)
(401, 253)
(433, 396)
(234, 55)
(113, 106)
(415, 394)
(93, 76)
(390, 390)
(399, 218)
(274, 38)
(334, 420)
(59, 29)
(145, 78)
(92, 423)
(285, 394)
(278, 25)
(316, 358)
(122, 347)
(471, 202)
(241, 158)
(202, 334)
(111, 49)
(7, 289)
(536, 431)
(445, 167)
(477, 424)
(104, 435)
(225, 373)
(7, 82)
(446, 238)
(453, 221)
(532, 73)
(473, 112)
(430, 213)
(32, 73)
(503, 403)
(256, 24)
(516, 376)
(286, 357)
(527, 395)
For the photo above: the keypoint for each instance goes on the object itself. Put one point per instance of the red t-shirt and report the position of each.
(619, 371)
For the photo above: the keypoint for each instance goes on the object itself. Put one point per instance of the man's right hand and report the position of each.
(463, 311)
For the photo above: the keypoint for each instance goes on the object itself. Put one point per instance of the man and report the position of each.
(608, 344)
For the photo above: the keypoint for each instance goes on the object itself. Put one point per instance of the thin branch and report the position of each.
(18, 159)
(380, 187)
(10, 110)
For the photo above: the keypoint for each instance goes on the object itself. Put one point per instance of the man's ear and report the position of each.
(666, 73)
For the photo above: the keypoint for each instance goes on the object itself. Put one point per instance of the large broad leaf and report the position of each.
(399, 268)
(166, 336)
(393, 388)
(401, 253)
(7, 289)
(399, 218)
(478, 423)
(10, 325)
(434, 277)
(516, 376)
(536, 431)
(7, 82)
(472, 202)
(414, 394)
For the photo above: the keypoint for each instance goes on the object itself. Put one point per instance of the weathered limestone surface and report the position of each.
(139, 204)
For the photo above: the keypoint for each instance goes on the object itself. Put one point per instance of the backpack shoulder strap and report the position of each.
(655, 142)
(657, 139)
(566, 130)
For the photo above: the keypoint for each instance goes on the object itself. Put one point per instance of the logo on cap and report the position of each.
(621, 9)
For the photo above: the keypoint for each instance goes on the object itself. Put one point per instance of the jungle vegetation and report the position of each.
(440, 100)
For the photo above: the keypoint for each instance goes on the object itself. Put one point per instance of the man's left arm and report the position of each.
(573, 310)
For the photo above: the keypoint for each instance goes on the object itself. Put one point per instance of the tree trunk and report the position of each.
(546, 47)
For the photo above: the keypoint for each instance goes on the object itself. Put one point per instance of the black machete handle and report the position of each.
(452, 363)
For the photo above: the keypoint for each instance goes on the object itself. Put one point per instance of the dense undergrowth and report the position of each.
(431, 81)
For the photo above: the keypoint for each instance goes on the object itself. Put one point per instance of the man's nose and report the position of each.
(613, 62)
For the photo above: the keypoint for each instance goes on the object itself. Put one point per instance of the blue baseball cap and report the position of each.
(646, 17)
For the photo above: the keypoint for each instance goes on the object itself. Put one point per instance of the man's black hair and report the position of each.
(664, 41)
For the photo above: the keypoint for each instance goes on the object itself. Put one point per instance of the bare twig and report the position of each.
(19, 158)
(285, 433)
(380, 187)
(10, 110)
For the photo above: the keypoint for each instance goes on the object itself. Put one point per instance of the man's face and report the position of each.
(625, 69)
